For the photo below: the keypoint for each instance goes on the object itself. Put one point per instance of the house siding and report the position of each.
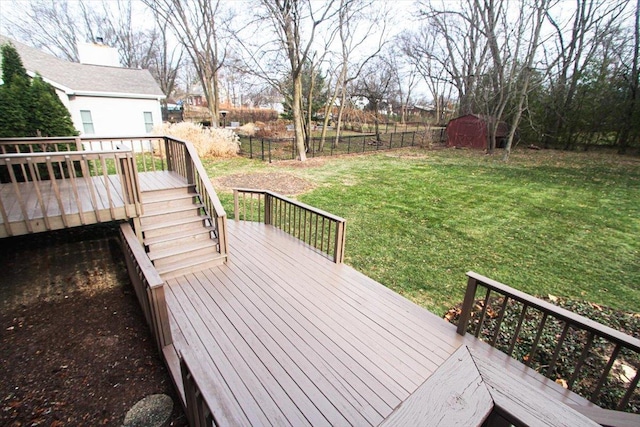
(114, 116)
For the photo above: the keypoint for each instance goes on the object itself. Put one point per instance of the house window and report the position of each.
(87, 121)
(148, 121)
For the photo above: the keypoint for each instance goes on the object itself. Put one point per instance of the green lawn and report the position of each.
(546, 222)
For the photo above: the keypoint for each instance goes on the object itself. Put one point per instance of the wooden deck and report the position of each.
(290, 338)
(77, 207)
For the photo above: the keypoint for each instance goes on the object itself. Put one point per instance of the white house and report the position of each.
(103, 100)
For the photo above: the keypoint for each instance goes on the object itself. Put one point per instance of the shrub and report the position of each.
(247, 130)
(207, 141)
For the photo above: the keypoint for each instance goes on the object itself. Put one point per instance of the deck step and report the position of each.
(175, 223)
(185, 236)
(191, 265)
(167, 194)
(171, 214)
(179, 252)
(187, 199)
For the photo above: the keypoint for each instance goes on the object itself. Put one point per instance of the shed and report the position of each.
(471, 131)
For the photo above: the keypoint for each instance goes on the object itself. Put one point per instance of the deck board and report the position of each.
(298, 339)
(321, 347)
(78, 208)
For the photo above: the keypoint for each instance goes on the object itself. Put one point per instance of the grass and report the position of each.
(546, 222)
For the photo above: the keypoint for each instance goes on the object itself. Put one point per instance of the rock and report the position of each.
(152, 411)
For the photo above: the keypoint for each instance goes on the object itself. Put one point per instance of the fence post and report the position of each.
(269, 151)
(250, 147)
(391, 140)
(467, 305)
(262, 148)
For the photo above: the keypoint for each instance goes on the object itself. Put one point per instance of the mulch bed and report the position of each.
(280, 182)
(74, 345)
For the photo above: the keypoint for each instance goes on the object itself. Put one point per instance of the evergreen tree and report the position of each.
(13, 120)
(48, 116)
(29, 108)
(11, 65)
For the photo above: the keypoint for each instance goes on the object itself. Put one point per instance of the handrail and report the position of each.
(148, 286)
(183, 158)
(315, 227)
(205, 402)
(497, 307)
(82, 188)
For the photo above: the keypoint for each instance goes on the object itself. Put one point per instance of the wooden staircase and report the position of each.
(178, 235)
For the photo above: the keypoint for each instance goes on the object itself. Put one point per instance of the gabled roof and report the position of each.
(84, 79)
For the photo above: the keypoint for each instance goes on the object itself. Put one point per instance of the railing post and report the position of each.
(338, 256)
(221, 225)
(267, 208)
(236, 205)
(160, 315)
(467, 305)
(191, 179)
(169, 154)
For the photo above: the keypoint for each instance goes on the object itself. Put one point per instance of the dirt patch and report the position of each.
(279, 182)
(74, 345)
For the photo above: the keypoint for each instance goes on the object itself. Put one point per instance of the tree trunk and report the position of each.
(297, 117)
(624, 135)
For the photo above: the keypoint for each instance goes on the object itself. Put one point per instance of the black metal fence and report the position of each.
(270, 149)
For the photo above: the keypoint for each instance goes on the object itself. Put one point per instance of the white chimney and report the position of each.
(98, 54)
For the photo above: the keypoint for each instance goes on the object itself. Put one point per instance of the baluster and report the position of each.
(558, 349)
(583, 357)
(502, 310)
(627, 396)
(518, 327)
(534, 348)
(605, 372)
(484, 312)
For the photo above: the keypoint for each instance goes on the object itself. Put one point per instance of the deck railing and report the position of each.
(558, 343)
(148, 286)
(206, 403)
(75, 178)
(181, 157)
(317, 228)
(151, 154)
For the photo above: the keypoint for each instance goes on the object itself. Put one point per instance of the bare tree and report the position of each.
(57, 27)
(138, 47)
(199, 27)
(357, 20)
(166, 61)
(376, 84)
(628, 124)
(50, 26)
(295, 25)
(405, 74)
(421, 50)
(522, 76)
(577, 41)
(462, 47)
